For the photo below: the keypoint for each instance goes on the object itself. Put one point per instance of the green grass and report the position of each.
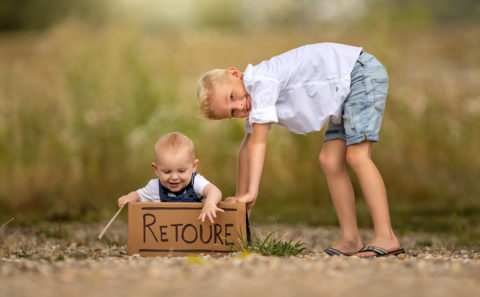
(58, 231)
(271, 245)
(459, 223)
(112, 243)
(78, 256)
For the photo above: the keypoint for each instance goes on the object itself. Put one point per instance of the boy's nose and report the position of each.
(242, 104)
(238, 106)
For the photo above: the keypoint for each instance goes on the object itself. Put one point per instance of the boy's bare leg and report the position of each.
(332, 160)
(373, 187)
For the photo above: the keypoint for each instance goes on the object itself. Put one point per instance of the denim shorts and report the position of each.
(364, 106)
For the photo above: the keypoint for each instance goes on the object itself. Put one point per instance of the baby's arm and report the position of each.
(131, 197)
(251, 165)
(210, 209)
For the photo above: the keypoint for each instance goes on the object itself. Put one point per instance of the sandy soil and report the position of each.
(68, 260)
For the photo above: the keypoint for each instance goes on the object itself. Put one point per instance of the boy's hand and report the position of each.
(209, 210)
(231, 199)
(249, 200)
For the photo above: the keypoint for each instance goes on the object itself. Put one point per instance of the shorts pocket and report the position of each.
(380, 90)
(356, 116)
(380, 85)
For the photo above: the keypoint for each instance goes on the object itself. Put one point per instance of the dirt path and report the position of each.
(68, 260)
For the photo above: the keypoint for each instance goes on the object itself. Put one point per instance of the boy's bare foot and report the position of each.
(348, 247)
(389, 244)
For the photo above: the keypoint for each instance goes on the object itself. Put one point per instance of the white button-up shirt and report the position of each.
(302, 88)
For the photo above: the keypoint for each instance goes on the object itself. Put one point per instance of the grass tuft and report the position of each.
(6, 241)
(273, 246)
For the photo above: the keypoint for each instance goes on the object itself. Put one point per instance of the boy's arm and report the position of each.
(242, 167)
(131, 197)
(257, 146)
(212, 196)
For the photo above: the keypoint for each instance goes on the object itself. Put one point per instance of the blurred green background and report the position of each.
(87, 87)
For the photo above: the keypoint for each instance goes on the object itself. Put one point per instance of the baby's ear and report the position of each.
(155, 168)
(195, 164)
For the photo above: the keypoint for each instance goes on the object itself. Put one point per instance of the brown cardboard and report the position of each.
(173, 229)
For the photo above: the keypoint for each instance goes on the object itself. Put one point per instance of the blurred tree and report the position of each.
(39, 14)
(437, 11)
(218, 13)
(460, 10)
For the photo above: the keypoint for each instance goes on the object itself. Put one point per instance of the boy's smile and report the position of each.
(230, 99)
(175, 168)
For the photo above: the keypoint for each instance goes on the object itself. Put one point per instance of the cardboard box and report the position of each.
(173, 229)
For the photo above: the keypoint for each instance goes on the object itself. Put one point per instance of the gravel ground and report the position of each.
(68, 260)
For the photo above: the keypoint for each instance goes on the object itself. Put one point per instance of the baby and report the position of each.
(175, 165)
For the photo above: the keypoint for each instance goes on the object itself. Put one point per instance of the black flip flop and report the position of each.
(334, 252)
(381, 252)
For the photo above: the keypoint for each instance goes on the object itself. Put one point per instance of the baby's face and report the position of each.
(175, 168)
(231, 100)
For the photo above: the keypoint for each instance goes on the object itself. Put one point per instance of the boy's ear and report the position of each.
(235, 72)
(195, 164)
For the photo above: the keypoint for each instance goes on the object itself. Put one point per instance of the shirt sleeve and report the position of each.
(150, 193)
(199, 184)
(264, 92)
(248, 127)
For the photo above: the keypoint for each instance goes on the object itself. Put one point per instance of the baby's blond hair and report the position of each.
(174, 141)
(206, 86)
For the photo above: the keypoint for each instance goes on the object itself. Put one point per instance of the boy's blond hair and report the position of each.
(174, 141)
(206, 86)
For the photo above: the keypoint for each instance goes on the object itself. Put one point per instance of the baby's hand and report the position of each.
(210, 210)
(122, 201)
(132, 197)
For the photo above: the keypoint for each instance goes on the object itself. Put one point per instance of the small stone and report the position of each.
(402, 257)
(236, 262)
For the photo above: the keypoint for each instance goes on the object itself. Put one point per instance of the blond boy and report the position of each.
(175, 166)
(300, 90)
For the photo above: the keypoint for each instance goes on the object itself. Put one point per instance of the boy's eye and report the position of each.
(182, 170)
(166, 171)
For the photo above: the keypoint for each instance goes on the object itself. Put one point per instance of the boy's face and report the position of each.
(230, 99)
(174, 168)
